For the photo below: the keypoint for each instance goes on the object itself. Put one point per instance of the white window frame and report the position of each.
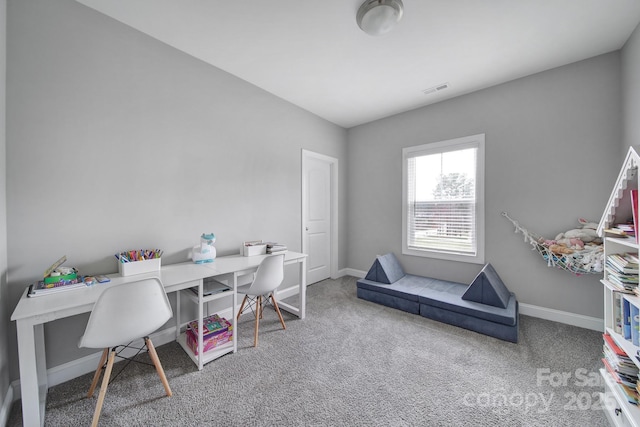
(474, 141)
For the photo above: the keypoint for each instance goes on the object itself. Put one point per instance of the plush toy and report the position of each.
(593, 258)
(572, 243)
(560, 249)
(587, 233)
(205, 251)
(576, 244)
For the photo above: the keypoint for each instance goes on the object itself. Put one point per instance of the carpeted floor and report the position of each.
(355, 363)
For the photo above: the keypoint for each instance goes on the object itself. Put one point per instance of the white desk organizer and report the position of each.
(256, 247)
(139, 267)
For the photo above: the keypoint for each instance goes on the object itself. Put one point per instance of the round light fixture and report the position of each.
(377, 17)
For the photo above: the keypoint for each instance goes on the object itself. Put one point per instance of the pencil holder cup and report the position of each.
(139, 267)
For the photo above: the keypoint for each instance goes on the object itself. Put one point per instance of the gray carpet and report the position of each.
(355, 363)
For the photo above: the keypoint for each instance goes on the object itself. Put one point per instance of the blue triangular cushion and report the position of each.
(487, 288)
(385, 269)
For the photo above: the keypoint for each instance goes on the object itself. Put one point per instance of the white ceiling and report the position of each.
(312, 53)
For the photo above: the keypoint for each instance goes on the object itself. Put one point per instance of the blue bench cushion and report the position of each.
(442, 294)
(493, 329)
(386, 269)
(447, 295)
(488, 288)
(485, 306)
(406, 287)
(398, 303)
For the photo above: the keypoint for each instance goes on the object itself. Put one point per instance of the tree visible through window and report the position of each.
(454, 184)
(443, 199)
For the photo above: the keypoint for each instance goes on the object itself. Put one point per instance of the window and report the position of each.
(443, 200)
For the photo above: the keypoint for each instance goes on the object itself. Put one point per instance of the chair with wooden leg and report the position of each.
(260, 291)
(122, 314)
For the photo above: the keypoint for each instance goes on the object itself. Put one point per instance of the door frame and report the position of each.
(333, 215)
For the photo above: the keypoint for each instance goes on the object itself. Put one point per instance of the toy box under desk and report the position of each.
(216, 331)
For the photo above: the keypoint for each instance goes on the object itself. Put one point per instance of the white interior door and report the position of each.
(317, 199)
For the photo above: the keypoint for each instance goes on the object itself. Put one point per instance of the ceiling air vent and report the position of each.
(435, 89)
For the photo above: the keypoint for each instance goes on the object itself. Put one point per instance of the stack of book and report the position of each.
(628, 228)
(622, 271)
(621, 368)
(57, 279)
(274, 248)
(41, 288)
(216, 331)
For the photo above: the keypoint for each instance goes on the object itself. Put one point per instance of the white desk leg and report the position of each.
(33, 372)
(234, 312)
(303, 288)
(178, 314)
(200, 323)
(302, 293)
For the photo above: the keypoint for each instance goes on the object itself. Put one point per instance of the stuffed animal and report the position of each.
(573, 243)
(576, 244)
(560, 249)
(587, 233)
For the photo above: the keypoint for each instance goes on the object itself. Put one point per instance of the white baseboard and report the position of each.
(565, 317)
(355, 273)
(5, 408)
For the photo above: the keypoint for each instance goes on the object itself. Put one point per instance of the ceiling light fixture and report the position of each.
(377, 17)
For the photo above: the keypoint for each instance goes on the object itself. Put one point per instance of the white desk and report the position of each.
(31, 314)
(229, 269)
(235, 266)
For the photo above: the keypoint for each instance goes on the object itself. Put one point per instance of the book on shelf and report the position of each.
(615, 232)
(629, 281)
(628, 228)
(620, 378)
(273, 248)
(625, 263)
(621, 364)
(618, 363)
(630, 393)
(617, 313)
(634, 209)
(635, 326)
(608, 340)
(209, 342)
(626, 319)
(40, 288)
(210, 287)
(621, 289)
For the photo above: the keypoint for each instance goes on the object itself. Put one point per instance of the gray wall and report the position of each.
(4, 303)
(116, 141)
(631, 90)
(552, 155)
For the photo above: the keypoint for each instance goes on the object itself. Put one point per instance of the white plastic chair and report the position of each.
(122, 314)
(260, 292)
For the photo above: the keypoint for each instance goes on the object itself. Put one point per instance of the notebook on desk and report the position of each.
(210, 287)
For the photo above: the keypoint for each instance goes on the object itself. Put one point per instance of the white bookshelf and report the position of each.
(619, 208)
